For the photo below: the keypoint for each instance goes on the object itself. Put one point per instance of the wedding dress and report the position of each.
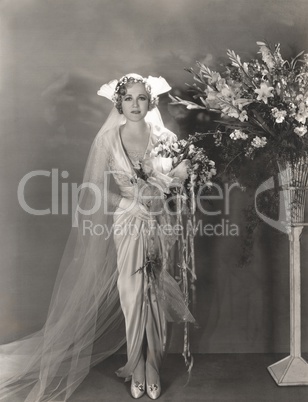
(104, 294)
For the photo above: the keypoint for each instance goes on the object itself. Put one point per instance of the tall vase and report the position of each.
(293, 370)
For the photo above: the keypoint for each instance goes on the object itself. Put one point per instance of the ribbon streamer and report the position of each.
(187, 262)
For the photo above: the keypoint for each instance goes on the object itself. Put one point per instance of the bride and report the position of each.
(113, 285)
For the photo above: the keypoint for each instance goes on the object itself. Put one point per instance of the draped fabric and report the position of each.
(91, 314)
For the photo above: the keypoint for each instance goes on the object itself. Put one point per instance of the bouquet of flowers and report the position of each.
(182, 170)
(263, 104)
(170, 155)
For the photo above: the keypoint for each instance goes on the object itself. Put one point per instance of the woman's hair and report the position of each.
(121, 90)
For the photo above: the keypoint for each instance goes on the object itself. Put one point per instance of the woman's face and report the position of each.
(135, 103)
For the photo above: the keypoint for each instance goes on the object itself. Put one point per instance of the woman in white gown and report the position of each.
(113, 283)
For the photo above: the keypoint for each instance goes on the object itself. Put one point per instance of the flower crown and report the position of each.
(153, 85)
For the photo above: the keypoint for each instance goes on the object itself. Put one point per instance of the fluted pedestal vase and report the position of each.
(293, 370)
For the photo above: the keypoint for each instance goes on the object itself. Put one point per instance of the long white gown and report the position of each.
(140, 301)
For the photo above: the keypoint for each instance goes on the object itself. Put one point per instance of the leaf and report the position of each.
(176, 100)
(295, 60)
(236, 60)
(243, 101)
(189, 70)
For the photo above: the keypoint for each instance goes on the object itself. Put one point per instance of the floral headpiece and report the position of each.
(153, 85)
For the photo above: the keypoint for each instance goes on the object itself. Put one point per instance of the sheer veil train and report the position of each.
(85, 323)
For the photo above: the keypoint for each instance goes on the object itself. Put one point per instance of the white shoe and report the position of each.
(137, 388)
(153, 390)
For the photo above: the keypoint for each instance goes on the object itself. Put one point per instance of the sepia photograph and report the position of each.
(154, 171)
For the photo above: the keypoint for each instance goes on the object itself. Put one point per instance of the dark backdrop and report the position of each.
(55, 54)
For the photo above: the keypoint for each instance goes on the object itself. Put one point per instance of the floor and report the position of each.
(215, 378)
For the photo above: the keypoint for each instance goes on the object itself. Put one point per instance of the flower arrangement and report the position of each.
(263, 104)
(262, 114)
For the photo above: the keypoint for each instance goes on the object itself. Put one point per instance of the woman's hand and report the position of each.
(135, 208)
(181, 171)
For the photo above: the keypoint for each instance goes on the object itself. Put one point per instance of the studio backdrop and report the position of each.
(55, 54)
